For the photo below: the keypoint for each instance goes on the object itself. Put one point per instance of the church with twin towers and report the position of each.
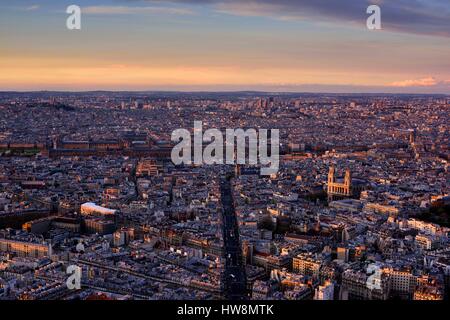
(342, 188)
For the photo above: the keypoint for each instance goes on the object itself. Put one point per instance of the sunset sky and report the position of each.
(299, 45)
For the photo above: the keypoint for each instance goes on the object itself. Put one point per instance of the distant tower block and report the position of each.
(412, 137)
(237, 170)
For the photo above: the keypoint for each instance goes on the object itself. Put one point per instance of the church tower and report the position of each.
(331, 177)
(348, 181)
(348, 178)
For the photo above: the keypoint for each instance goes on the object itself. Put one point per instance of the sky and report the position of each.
(226, 45)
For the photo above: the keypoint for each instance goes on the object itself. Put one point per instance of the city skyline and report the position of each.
(225, 158)
(302, 46)
(94, 205)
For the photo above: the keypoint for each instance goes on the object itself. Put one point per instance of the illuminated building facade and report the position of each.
(343, 188)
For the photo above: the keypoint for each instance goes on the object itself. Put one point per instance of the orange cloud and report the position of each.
(424, 82)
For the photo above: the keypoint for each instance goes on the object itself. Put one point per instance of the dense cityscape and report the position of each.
(358, 210)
